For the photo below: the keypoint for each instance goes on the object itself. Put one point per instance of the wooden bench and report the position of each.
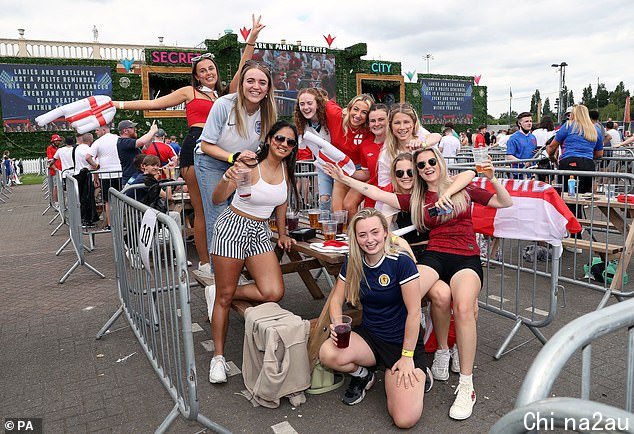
(612, 251)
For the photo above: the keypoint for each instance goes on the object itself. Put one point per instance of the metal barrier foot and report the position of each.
(507, 341)
(61, 249)
(46, 210)
(171, 417)
(53, 219)
(70, 270)
(109, 323)
(94, 270)
(57, 228)
(212, 425)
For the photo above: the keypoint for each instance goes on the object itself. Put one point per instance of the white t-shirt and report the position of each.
(104, 149)
(65, 155)
(615, 139)
(80, 158)
(502, 139)
(542, 135)
(220, 128)
(449, 145)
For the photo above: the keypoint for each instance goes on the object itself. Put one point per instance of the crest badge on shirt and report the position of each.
(384, 280)
(258, 127)
(358, 138)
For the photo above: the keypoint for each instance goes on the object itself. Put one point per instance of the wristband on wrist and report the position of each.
(233, 158)
(230, 159)
(248, 43)
(407, 353)
(121, 105)
(224, 177)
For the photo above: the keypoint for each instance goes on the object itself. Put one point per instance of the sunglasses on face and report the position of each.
(400, 173)
(432, 162)
(203, 56)
(279, 139)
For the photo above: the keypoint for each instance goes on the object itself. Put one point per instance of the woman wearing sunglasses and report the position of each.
(348, 130)
(242, 235)
(452, 254)
(205, 88)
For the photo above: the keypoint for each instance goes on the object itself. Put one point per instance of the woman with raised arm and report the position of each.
(242, 235)
(199, 97)
(452, 254)
(384, 281)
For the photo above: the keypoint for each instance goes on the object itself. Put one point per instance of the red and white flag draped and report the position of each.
(84, 115)
(326, 152)
(538, 213)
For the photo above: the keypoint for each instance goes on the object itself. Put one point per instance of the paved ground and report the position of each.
(53, 368)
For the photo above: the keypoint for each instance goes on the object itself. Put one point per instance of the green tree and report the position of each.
(611, 111)
(588, 99)
(618, 95)
(535, 101)
(571, 99)
(547, 111)
(603, 95)
(504, 118)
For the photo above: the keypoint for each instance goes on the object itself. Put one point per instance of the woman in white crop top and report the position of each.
(241, 235)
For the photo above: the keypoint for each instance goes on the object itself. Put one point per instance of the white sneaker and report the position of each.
(210, 298)
(440, 366)
(244, 281)
(205, 269)
(218, 370)
(465, 400)
(455, 359)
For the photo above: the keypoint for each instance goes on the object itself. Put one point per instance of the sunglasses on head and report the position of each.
(400, 173)
(203, 56)
(279, 139)
(432, 162)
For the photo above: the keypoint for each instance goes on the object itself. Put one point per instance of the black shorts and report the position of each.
(186, 156)
(106, 183)
(448, 264)
(387, 353)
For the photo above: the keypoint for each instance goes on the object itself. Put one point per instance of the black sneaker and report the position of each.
(429, 380)
(357, 387)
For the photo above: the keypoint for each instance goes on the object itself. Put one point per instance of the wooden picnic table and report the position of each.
(617, 213)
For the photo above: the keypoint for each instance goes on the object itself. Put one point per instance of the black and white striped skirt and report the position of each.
(239, 237)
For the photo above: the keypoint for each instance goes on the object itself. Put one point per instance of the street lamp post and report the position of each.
(428, 57)
(562, 84)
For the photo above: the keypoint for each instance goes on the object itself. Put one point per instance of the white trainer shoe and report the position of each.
(440, 366)
(455, 359)
(205, 269)
(465, 400)
(218, 370)
(210, 298)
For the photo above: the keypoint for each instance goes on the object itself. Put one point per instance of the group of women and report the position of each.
(234, 133)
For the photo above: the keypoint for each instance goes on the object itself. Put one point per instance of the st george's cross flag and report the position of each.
(326, 152)
(84, 115)
(538, 213)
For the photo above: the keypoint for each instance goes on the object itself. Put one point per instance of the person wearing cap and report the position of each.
(128, 146)
(65, 155)
(162, 150)
(56, 141)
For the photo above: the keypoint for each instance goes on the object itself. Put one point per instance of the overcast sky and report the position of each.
(510, 45)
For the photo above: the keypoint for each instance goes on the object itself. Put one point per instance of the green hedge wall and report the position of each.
(227, 55)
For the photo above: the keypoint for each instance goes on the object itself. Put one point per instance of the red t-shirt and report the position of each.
(350, 143)
(455, 236)
(304, 154)
(369, 160)
(479, 141)
(50, 154)
(165, 152)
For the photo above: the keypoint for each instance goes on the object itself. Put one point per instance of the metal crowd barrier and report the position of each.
(535, 409)
(156, 302)
(60, 204)
(5, 186)
(74, 225)
(307, 185)
(47, 191)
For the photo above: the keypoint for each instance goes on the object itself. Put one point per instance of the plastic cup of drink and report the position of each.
(610, 191)
(292, 220)
(480, 155)
(273, 223)
(341, 217)
(343, 327)
(329, 228)
(313, 218)
(324, 216)
(244, 183)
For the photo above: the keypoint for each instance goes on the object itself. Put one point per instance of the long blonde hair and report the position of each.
(400, 157)
(460, 200)
(581, 123)
(268, 112)
(391, 144)
(366, 98)
(354, 270)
